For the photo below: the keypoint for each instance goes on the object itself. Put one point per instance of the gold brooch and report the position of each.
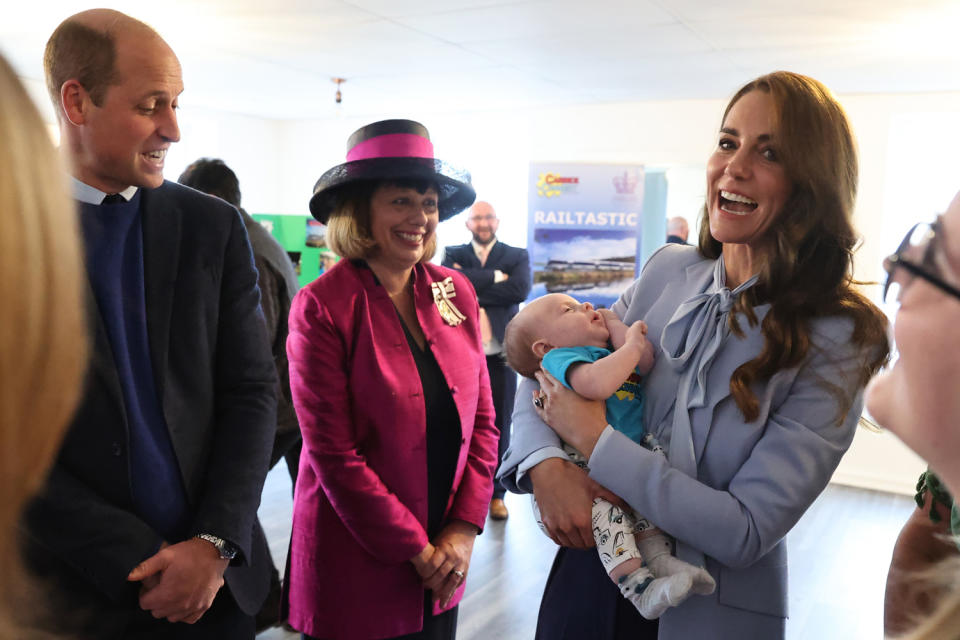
(442, 292)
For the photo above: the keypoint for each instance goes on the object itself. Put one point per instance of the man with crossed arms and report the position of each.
(501, 276)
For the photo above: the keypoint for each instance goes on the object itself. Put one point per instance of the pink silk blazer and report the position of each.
(360, 508)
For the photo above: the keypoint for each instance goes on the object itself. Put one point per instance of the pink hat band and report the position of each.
(392, 145)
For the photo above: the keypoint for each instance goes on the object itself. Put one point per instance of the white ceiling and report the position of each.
(402, 56)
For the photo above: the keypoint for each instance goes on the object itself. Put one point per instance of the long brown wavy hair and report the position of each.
(807, 270)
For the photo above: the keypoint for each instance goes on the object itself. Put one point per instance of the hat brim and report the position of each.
(455, 191)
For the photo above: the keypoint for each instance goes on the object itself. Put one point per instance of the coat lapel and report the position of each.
(469, 259)
(102, 360)
(698, 277)
(495, 256)
(162, 220)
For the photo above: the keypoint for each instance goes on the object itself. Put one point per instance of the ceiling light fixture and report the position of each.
(338, 97)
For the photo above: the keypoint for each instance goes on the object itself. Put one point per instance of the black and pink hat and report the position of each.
(393, 150)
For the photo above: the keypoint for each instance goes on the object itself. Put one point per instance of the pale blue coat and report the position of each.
(754, 481)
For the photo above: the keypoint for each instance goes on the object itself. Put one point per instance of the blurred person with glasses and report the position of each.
(916, 399)
(922, 260)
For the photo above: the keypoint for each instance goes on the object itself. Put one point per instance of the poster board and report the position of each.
(584, 229)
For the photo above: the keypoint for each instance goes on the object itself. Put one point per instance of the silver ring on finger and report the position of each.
(460, 574)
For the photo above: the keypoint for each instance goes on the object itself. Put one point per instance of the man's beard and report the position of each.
(480, 242)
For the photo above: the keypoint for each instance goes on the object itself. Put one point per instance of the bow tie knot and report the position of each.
(725, 299)
(698, 329)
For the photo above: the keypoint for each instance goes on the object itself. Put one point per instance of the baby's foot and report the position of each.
(656, 553)
(652, 597)
(667, 565)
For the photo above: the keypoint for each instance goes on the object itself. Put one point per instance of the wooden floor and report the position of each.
(839, 554)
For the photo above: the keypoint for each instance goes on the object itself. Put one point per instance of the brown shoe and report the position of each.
(498, 509)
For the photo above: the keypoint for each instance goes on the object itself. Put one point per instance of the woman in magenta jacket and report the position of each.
(390, 386)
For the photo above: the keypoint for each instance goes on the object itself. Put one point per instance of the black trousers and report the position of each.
(503, 384)
(83, 612)
(223, 621)
(580, 601)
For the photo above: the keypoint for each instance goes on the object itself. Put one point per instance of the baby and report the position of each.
(571, 341)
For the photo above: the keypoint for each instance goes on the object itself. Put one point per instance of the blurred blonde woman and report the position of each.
(43, 346)
(917, 398)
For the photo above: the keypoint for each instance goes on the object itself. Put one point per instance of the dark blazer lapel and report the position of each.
(468, 259)
(495, 256)
(162, 219)
(102, 361)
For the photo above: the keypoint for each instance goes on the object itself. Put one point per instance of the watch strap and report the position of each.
(226, 549)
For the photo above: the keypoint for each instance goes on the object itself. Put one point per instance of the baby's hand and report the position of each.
(618, 330)
(637, 334)
(637, 331)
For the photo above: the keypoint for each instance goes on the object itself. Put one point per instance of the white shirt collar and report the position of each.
(480, 249)
(91, 195)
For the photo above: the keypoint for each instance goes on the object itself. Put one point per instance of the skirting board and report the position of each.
(879, 461)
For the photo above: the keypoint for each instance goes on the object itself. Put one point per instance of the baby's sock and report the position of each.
(652, 597)
(656, 554)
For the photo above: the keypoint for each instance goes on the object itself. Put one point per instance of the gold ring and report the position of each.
(538, 401)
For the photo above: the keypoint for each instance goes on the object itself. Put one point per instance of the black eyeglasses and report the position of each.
(920, 240)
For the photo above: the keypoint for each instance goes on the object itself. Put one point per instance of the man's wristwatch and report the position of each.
(226, 550)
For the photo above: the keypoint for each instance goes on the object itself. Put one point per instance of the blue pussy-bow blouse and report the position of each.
(690, 342)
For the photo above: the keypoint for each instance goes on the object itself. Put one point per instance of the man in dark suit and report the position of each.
(151, 505)
(677, 230)
(501, 276)
(278, 284)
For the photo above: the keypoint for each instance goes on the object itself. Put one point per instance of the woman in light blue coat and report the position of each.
(765, 347)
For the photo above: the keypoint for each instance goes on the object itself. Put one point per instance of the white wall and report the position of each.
(249, 146)
(908, 171)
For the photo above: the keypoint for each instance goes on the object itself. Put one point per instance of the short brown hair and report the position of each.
(76, 50)
(518, 339)
(348, 228)
(213, 176)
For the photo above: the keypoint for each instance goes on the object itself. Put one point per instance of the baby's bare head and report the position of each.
(553, 320)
